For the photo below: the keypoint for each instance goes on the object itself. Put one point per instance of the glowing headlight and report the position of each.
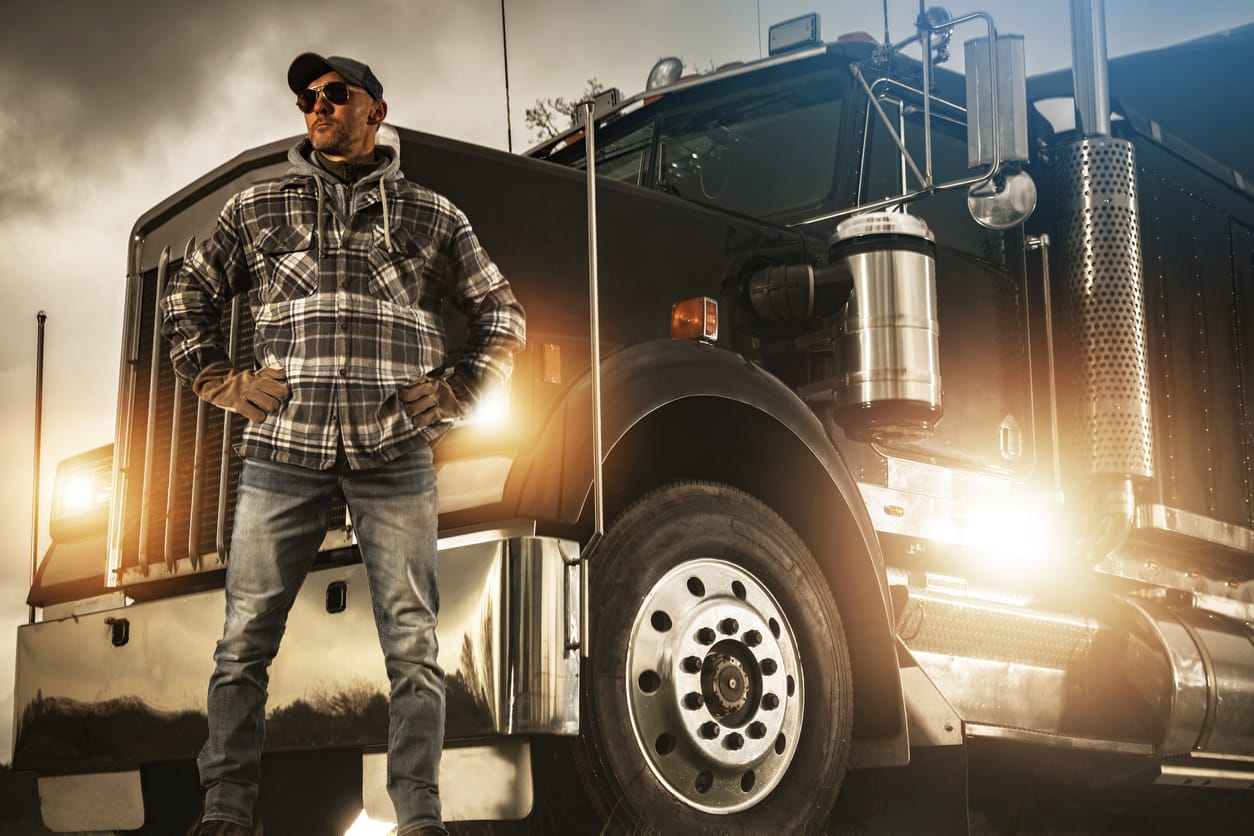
(82, 492)
(491, 411)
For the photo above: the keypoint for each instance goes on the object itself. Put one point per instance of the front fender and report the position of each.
(660, 400)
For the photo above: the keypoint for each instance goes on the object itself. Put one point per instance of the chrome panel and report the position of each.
(1164, 664)
(1195, 776)
(84, 606)
(1229, 652)
(1000, 516)
(541, 666)
(995, 660)
(1195, 527)
(98, 801)
(1058, 741)
(931, 720)
(84, 704)
(486, 782)
(998, 693)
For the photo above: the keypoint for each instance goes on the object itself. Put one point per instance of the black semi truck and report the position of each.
(921, 423)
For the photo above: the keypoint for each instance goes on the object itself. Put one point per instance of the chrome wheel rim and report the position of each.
(714, 686)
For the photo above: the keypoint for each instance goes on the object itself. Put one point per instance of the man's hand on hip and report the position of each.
(428, 400)
(252, 394)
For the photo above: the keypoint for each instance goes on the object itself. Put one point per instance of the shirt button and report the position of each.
(343, 284)
(343, 325)
(343, 372)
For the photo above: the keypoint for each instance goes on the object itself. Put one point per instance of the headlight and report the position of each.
(81, 494)
(493, 409)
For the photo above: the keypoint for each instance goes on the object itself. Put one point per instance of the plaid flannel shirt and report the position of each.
(350, 311)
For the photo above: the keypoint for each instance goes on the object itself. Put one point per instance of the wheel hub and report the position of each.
(714, 686)
(726, 683)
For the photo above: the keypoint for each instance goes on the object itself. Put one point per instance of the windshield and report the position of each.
(762, 150)
(760, 155)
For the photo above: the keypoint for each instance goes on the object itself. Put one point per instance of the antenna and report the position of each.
(887, 40)
(509, 127)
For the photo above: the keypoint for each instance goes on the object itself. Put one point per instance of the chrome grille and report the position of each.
(177, 503)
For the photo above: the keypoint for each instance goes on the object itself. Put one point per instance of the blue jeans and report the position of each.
(280, 520)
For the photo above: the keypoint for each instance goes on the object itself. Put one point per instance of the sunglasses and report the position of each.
(335, 92)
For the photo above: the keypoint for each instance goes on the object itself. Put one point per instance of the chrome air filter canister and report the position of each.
(889, 383)
(1099, 231)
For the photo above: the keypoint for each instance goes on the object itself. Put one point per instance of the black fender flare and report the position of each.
(648, 385)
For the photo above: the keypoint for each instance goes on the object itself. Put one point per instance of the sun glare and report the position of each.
(366, 826)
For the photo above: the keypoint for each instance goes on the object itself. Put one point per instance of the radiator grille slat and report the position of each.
(191, 500)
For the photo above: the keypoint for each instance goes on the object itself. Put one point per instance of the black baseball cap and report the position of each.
(308, 66)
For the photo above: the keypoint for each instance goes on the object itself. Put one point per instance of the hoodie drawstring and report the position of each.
(318, 221)
(387, 225)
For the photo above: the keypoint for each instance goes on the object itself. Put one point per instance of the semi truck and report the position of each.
(872, 414)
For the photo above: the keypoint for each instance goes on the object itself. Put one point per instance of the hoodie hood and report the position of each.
(302, 165)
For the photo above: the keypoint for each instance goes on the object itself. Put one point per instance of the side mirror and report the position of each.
(1005, 123)
(997, 132)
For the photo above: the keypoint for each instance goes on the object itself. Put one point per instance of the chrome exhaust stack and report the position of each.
(1100, 244)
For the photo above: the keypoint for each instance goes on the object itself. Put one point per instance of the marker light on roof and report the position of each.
(665, 72)
(794, 34)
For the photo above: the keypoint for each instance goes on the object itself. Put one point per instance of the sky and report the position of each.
(109, 107)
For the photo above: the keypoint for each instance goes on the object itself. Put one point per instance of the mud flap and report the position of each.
(928, 796)
(490, 782)
(97, 801)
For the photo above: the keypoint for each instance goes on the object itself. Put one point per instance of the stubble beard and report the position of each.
(336, 141)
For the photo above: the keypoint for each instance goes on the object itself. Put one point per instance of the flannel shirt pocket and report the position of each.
(291, 266)
(397, 275)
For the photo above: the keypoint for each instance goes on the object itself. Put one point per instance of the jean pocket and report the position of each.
(291, 267)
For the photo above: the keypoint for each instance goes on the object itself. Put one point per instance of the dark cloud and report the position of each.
(91, 87)
(89, 84)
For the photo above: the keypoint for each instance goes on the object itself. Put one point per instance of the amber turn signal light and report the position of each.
(695, 319)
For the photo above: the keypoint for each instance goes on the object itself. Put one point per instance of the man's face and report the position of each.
(347, 131)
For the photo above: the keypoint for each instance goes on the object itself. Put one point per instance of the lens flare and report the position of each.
(366, 826)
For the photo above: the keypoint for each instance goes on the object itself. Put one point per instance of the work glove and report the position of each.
(431, 399)
(252, 394)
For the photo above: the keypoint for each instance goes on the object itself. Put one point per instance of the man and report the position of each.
(345, 264)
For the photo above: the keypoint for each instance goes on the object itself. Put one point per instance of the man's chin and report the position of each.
(328, 146)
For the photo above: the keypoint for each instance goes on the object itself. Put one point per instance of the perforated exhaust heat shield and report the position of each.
(1099, 228)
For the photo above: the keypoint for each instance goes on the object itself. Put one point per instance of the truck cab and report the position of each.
(907, 446)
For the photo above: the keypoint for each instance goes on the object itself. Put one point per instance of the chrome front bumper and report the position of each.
(113, 689)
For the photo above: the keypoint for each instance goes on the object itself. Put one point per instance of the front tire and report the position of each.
(717, 697)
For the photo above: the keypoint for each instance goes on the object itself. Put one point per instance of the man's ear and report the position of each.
(378, 112)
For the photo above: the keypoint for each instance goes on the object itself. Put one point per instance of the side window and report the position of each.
(945, 212)
(761, 156)
(625, 158)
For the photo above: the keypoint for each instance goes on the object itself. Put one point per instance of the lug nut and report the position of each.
(691, 664)
(693, 701)
(753, 638)
(709, 730)
(757, 730)
(729, 626)
(733, 741)
(770, 702)
(769, 666)
(706, 636)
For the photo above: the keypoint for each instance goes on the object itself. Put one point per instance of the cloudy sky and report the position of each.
(109, 107)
